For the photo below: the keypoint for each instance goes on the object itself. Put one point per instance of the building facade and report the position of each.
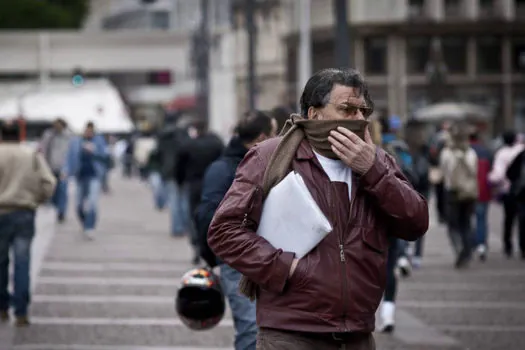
(482, 46)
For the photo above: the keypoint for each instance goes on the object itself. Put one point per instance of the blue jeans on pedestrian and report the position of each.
(88, 192)
(482, 209)
(158, 187)
(17, 230)
(243, 310)
(60, 197)
(180, 208)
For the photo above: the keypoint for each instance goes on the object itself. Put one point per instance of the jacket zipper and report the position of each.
(343, 261)
(245, 218)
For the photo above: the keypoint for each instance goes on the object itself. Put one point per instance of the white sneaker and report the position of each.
(404, 266)
(388, 310)
(482, 252)
(88, 235)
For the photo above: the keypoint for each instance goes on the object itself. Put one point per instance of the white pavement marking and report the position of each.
(105, 347)
(109, 281)
(64, 321)
(411, 330)
(463, 304)
(135, 299)
(480, 328)
(45, 230)
(441, 286)
(81, 266)
(479, 273)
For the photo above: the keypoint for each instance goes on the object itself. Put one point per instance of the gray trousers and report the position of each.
(272, 339)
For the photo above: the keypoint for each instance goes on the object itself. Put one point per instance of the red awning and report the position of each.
(181, 103)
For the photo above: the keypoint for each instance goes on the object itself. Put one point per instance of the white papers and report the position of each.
(291, 220)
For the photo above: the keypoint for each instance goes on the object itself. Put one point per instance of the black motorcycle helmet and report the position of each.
(200, 301)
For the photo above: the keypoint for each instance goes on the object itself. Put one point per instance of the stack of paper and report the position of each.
(291, 219)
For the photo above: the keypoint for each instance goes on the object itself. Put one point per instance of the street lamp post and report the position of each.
(342, 37)
(201, 57)
(251, 29)
(305, 45)
(436, 71)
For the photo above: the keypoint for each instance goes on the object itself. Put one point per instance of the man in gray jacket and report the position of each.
(25, 182)
(54, 147)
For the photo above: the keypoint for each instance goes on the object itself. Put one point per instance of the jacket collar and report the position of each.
(304, 152)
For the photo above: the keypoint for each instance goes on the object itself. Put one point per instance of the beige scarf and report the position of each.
(293, 133)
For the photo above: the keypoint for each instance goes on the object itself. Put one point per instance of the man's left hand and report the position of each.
(357, 154)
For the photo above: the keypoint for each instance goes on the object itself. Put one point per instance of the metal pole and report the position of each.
(202, 48)
(252, 42)
(342, 38)
(304, 56)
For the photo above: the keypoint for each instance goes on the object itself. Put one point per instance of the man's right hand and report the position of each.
(293, 267)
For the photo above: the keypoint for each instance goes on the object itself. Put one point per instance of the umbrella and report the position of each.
(453, 111)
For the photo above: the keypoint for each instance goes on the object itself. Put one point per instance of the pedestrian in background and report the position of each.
(484, 197)
(251, 130)
(459, 165)
(86, 162)
(26, 182)
(193, 158)
(54, 146)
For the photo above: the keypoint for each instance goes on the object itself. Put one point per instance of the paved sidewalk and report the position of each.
(117, 292)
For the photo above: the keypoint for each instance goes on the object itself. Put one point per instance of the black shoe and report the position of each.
(388, 329)
(61, 218)
(4, 316)
(22, 321)
(461, 261)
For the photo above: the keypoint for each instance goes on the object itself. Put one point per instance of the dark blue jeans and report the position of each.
(391, 281)
(243, 310)
(16, 232)
(88, 192)
(482, 209)
(60, 197)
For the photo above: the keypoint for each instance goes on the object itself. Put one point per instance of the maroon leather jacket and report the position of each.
(338, 286)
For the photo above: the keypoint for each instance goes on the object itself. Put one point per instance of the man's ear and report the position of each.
(312, 113)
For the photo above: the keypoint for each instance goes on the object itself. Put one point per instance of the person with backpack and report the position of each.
(254, 128)
(459, 164)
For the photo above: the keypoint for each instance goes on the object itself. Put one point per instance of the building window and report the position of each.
(488, 55)
(453, 8)
(518, 55)
(487, 8)
(416, 9)
(520, 8)
(376, 51)
(418, 51)
(160, 20)
(455, 54)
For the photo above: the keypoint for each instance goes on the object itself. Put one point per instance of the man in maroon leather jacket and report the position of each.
(328, 299)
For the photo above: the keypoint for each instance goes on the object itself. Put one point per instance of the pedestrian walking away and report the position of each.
(26, 182)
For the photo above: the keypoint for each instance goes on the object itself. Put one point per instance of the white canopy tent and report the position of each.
(97, 101)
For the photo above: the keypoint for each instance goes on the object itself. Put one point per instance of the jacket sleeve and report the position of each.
(216, 183)
(44, 143)
(70, 162)
(399, 201)
(232, 234)
(46, 178)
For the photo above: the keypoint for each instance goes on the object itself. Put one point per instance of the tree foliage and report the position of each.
(42, 14)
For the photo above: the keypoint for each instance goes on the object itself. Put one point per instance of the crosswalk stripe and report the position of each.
(63, 321)
(106, 347)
